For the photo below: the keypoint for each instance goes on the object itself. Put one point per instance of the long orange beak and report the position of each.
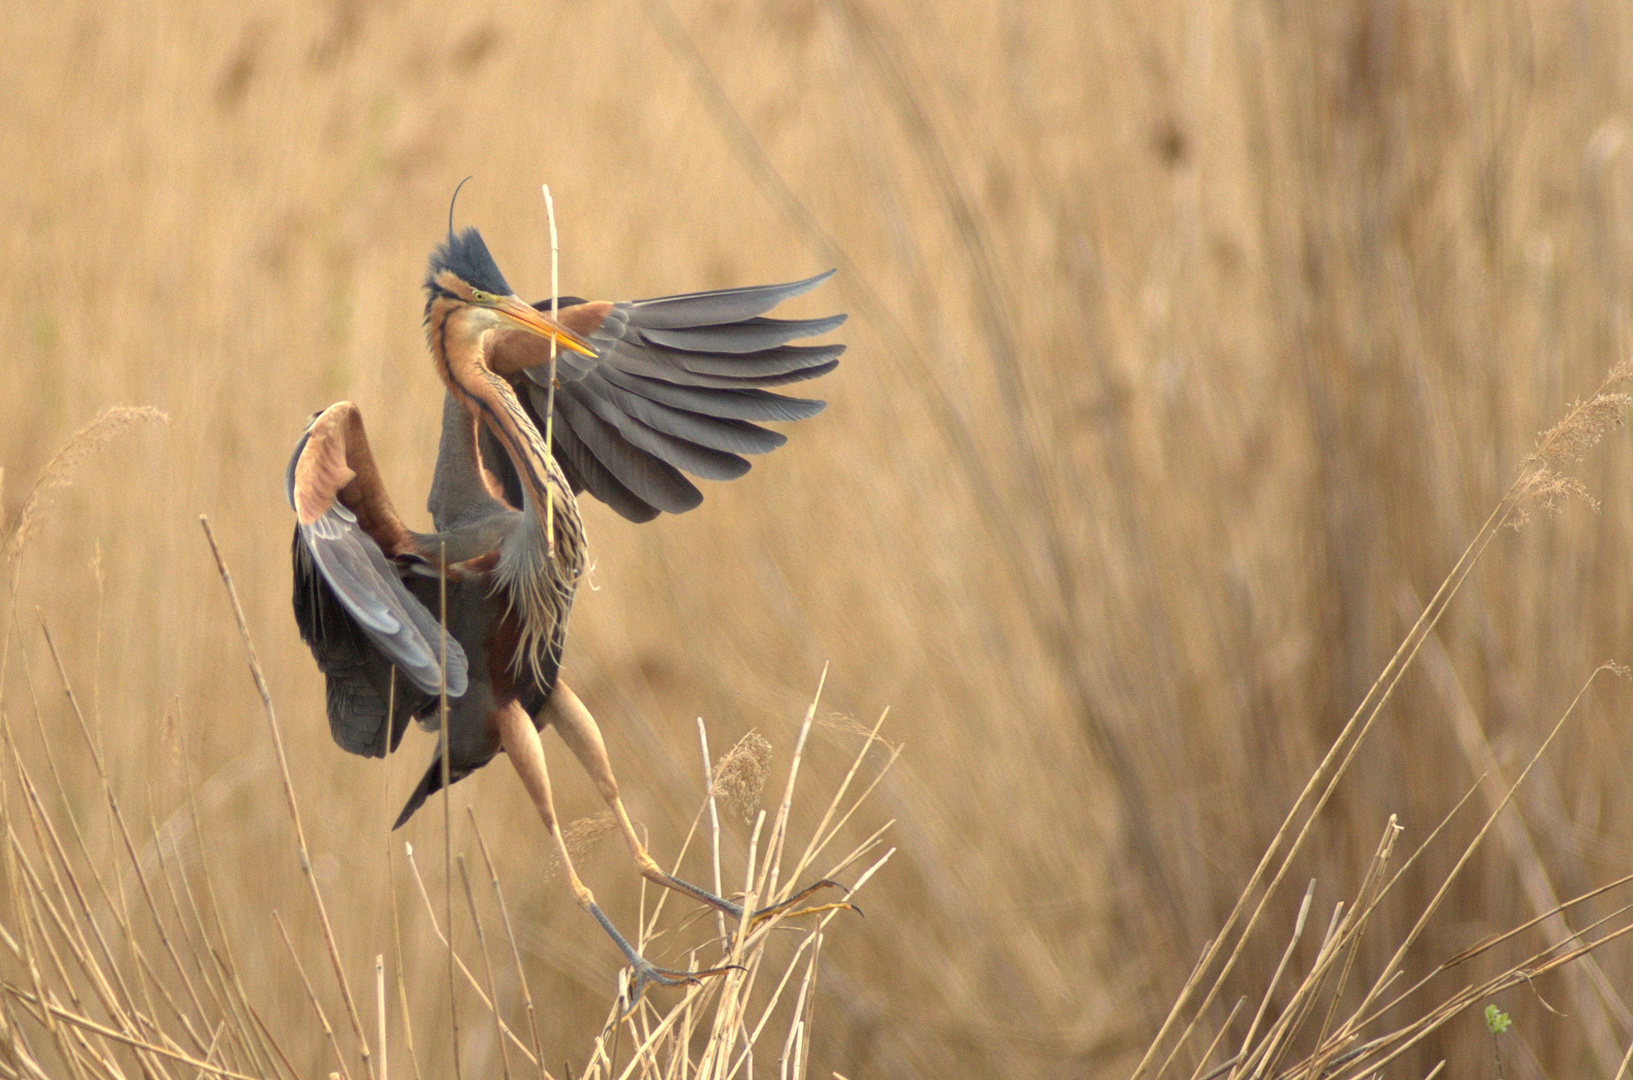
(537, 322)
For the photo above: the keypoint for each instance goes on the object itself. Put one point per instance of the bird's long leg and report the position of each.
(582, 735)
(526, 752)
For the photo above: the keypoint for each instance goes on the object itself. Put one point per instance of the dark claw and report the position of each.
(798, 898)
(648, 974)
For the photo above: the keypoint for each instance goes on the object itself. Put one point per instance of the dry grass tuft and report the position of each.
(59, 470)
(1322, 1030)
(764, 1008)
(740, 774)
(582, 835)
(1568, 442)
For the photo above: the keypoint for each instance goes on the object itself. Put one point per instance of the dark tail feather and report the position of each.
(429, 785)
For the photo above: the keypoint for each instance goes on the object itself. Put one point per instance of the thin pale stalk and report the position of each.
(1365, 904)
(391, 887)
(40, 904)
(714, 819)
(380, 1007)
(510, 935)
(753, 1036)
(217, 985)
(193, 947)
(28, 787)
(487, 964)
(550, 390)
(1522, 973)
(791, 1044)
(1275, 979)
(855, 806)
(224, 960)
(1351, 736)
(1528, 964)
(1627, 1059)
(1484, 946)
(779, 832)
(59, 1013)
(721, 1028)
(470, 979)
(34, 927)
(124, 831)
(1468, 852)
(323, 1020)
(1218, 1037)
(1598, 1002)
(819, 836)
(444, 749)
(119, 1002)
(289, 796)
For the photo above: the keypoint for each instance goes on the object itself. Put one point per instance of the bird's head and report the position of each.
(463, 273)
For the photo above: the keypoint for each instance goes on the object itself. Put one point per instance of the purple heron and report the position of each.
(645, 391)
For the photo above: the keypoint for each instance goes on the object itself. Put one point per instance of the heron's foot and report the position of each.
(733, 910)
(791, 908)
(631, 991)
(646, 974)
(656, 874)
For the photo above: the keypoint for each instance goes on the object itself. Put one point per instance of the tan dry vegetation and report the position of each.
(1191, 344)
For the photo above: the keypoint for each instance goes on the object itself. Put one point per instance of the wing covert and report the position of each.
(342, 520)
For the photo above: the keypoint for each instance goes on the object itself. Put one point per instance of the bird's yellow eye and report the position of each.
(479, 296)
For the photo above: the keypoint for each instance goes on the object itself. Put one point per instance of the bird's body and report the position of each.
(643, 390)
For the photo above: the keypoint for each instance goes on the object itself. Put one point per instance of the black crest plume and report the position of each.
(467, 257)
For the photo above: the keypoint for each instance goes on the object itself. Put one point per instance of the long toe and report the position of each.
(696, 892)
(792, 906)
(648, 974)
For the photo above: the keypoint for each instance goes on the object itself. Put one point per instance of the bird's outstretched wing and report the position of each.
(675, 387)
(350, 602)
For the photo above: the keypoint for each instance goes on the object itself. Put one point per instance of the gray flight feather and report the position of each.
(673, 388)
(713, 433)
(719, 306)
(751, 335)
(653, 481)
(722, 404)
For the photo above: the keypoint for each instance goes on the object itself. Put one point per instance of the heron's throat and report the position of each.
(493, 402)
(540, 572)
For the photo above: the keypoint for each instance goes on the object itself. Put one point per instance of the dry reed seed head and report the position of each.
(582, 835)
(849, 725)
(1551, 491)
(740, 774)
(1581, 428)
(58, 472)
(1585, 422)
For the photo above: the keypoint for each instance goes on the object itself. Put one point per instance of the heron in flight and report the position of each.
(645, 391)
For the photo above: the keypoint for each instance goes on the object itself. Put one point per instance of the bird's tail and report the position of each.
(429, 785)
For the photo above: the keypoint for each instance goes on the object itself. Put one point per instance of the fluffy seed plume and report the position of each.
(848, 725)
(581, 836)
(740, 774)
(1568, 442)
(58, 472)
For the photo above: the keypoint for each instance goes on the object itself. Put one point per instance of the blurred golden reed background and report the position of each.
(1190, 344)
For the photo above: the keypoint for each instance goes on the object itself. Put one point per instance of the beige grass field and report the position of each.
(1189, 346)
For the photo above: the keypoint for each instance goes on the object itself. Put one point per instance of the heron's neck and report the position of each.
(462, 488)
(458, 347)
